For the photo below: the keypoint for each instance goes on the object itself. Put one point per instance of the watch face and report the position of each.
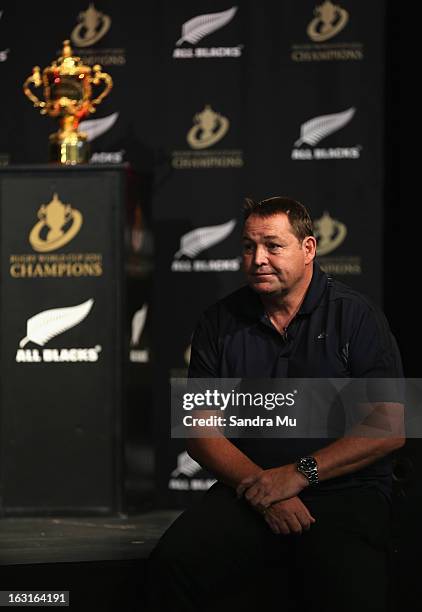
(307, 463)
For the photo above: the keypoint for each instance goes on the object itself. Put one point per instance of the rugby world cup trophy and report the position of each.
(68, 95)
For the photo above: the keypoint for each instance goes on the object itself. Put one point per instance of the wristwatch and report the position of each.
(309, 468)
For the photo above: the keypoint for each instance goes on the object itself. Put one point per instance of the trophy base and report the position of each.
(69, 151)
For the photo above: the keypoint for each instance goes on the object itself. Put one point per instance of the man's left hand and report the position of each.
(272, 485)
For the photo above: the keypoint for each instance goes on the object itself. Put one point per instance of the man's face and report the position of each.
(273, 258)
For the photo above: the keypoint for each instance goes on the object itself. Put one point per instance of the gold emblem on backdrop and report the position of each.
(92, 27)
(58, 224)
(329, 233)
(329, 20)
(209, 128)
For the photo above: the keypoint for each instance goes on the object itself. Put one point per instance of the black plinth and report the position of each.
(61, 240)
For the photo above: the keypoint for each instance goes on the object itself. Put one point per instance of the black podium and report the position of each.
(61, 321)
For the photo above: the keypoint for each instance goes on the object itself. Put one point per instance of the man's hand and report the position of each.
(272, 485)
(288, 516)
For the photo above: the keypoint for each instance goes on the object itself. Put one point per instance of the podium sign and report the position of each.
(61, 327)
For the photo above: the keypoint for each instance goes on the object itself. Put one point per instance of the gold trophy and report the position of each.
(67, 95)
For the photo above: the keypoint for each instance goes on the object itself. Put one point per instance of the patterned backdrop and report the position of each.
(212, 102)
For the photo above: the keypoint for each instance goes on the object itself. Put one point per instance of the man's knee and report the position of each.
(181, 546)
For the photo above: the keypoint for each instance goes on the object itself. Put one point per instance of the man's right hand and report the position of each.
(288, 516)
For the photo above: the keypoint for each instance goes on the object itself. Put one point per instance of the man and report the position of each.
(313, 515)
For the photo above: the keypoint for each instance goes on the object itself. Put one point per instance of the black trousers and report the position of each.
(221, 555)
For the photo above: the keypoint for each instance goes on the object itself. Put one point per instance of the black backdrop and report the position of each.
(264, 75)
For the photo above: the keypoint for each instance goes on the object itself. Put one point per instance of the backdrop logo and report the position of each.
(187, 354)
(198, 28)
(199, 240)
(209, 128)
(46, 325)
(94, 128)
(188, 468)
(329, 20)
(318, 128)
(4, 55)
(50, 323)
(138, 324)
(329, 233)
(57, 226)
(59, 223)
(93, 26)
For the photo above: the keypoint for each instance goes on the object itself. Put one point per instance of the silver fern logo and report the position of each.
(183, 476)
(186, 466)
(318, 128)
(198, 240)
(50, 323)
(187, 354)
(94, 128)
(197, 28)
(46, 325)
(138, 324)
(192, 243)
(314, 130)
(4, 55)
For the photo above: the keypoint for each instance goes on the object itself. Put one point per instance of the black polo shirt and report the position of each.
(337, 333)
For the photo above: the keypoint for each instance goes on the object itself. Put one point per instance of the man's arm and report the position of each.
(338, 458)
(380, 432)
(216, 454)
(222, 458)
(365, 443)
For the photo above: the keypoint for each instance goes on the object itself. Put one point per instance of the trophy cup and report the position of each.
(68, 94)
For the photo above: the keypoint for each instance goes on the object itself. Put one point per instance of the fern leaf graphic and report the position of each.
(203, 238)
(138, 324)
(199, 27)
(49, 323)
(187, 354)
(318, 128)
(186, 466)
(95, 127)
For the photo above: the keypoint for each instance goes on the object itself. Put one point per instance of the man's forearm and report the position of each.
(223, 459)
(380, 432)
(341, 457)
(348, 455)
